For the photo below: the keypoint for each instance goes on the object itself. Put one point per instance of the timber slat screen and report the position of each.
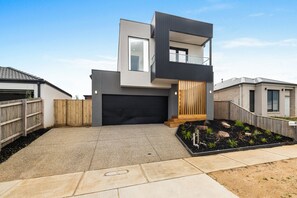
(231, 111)
(191, 99)
(73, 112)
(18, 118)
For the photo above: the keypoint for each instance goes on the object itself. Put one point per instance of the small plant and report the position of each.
(239, 124)
(278, 137)
(246, 128)
(188, 135)
(232, 143)
(267, 132)
(209, 131)
(182, 128)
(263, 140)
(251, 142)
(211, 145)
(256, 133)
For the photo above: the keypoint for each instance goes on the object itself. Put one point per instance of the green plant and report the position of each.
(263, 140)
(209, 131)
(211, 145)
(251, 142)
(256, 133)
(246, 128)
(278, 137)
(188, 135)
(182, 127)
(267, 132)
(232, 143)
(239, 124)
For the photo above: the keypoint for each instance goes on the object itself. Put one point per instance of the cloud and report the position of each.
(104, 63)
(253, 42)
(214, 7)
(259, 14)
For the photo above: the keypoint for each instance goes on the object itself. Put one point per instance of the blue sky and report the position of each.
(62, 40)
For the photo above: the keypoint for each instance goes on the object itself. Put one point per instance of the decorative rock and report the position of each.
(226, 125)
(223, 134)
(202, 127)
(247, 134)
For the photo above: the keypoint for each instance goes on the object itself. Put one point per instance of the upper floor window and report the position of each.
(272, 100)
(138, 54)
(178, 55)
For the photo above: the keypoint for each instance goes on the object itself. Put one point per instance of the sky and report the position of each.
(63, 40)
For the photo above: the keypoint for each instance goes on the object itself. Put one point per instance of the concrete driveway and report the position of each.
(69, 150)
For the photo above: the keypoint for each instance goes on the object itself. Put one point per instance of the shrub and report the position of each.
(246, 128)
(263, 140)
(211, 145)
(256, 133)
(278, 137)
(188, 135)
(267, 132)
(232, 143)
(239, 124)
(251, 142)
(209, 131)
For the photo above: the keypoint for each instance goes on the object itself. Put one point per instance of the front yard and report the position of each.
(217, 135)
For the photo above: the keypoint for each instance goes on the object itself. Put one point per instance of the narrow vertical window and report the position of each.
(252, 100)
(138, 55)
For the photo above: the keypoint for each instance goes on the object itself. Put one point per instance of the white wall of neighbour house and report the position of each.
(20, 86)
(48, 94)
(228, 94)
(282, 93)
(135, 78)
(246, 95)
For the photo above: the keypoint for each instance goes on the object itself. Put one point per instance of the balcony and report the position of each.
(190, 59)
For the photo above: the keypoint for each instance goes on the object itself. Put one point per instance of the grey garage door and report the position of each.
(127, 109)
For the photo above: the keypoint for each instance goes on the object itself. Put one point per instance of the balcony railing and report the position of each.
(192, 59)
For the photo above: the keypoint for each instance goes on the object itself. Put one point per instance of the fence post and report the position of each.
(0, 129)
(24, 115)
(42, 113)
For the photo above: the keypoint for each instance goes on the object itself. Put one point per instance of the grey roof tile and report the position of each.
(9, 73)
(236, 81)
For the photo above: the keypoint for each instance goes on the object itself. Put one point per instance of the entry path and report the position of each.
(174, 178)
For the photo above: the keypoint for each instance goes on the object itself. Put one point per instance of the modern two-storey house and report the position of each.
(164, 71)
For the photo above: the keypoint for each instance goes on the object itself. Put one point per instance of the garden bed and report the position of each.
(20, 143)
(219, 136)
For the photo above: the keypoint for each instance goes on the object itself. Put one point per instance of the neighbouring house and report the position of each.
(263, 96)
(164, 71)
(88, 97)
(16, 84)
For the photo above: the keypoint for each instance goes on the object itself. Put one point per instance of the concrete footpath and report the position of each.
(174, 178)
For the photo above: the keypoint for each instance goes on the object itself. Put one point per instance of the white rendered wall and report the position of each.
(135, 78)
(48, 94)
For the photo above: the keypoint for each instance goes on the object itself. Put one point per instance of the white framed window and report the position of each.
(138, 54)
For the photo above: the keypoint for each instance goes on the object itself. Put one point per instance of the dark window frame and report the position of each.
(252, 100)
(270, 96)
(177, 49)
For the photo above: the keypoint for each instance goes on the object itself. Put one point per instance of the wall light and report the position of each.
(210, 91)
(175, 93)
(96, 92)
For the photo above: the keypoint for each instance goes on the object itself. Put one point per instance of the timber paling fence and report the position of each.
(231, 111)
(73, 112)
(19, 118)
